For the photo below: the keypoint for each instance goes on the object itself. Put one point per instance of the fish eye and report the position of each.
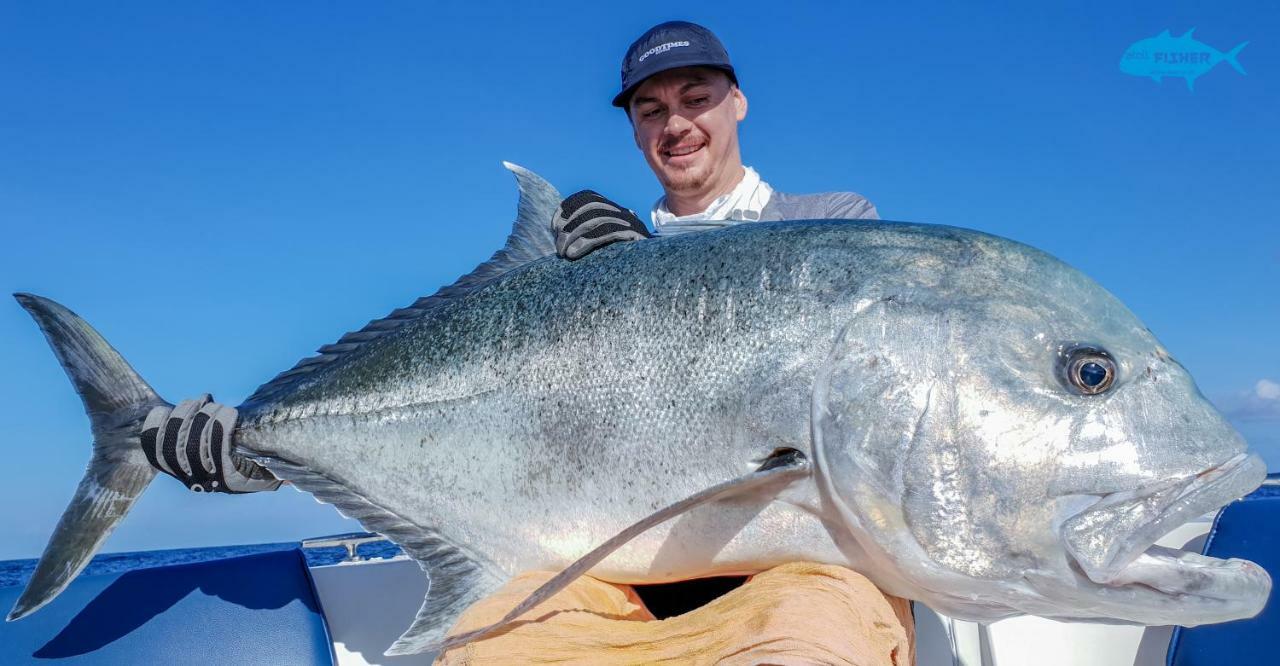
(1087, 370)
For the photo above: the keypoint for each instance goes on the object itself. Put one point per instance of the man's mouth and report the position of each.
(682, 151)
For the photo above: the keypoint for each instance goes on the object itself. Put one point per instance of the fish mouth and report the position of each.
(1237, 587)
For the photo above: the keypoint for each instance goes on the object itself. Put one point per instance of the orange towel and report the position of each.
(797, 613)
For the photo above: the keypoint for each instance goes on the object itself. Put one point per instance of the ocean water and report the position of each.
(17, 572)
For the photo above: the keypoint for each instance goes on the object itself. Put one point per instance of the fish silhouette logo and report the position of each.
(1166, 55)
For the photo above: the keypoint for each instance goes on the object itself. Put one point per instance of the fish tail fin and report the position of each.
(117, 401)
(1230, 57)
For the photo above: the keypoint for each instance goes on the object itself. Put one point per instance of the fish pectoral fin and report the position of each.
(781, 468)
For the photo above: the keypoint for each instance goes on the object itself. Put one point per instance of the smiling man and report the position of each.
(681, 95)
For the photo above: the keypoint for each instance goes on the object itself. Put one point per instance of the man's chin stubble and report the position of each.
(682, 181)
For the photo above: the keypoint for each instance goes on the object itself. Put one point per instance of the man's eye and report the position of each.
(651, 113)
(699, 101)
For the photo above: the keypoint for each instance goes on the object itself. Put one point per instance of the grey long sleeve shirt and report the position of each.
(782, 206)
(821, 206)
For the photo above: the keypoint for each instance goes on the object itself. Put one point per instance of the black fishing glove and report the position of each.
(587, 222)
(192, 443)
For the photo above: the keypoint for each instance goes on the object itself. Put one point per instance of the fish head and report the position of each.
(1005, 437)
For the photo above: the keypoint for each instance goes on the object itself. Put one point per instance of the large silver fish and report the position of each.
(989, 431)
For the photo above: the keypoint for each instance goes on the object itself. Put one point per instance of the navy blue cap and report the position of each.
(668, 46)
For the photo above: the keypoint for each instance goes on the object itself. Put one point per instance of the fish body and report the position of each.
(933, 374)
(1184, 57)
(543, 414)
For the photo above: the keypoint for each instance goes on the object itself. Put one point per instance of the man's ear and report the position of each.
(739, 102)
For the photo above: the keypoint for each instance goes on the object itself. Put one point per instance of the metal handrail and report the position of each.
(349, 541)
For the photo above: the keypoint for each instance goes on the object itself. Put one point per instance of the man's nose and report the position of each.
(677, 124)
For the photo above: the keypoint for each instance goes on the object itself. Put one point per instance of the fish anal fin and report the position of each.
(456, 583)
(457, 577)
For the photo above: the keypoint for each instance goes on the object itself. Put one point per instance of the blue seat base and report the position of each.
(256, 609)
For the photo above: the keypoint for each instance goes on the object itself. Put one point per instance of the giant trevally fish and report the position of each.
(1185, 56)
(977, 425)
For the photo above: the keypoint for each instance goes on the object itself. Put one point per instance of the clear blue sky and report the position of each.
(220, 187)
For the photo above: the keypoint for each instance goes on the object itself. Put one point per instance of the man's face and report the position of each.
(686, 124)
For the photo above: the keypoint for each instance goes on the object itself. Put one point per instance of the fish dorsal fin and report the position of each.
(531, 239)
(531, 236)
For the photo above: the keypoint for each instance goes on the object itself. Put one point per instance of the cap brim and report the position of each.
(624, 97)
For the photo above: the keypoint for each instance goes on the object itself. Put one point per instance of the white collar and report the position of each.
(743, 203)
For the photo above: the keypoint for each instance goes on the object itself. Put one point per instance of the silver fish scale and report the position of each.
(545, 412)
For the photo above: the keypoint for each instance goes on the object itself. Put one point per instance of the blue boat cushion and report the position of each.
(257, 609)
(1248, 529)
